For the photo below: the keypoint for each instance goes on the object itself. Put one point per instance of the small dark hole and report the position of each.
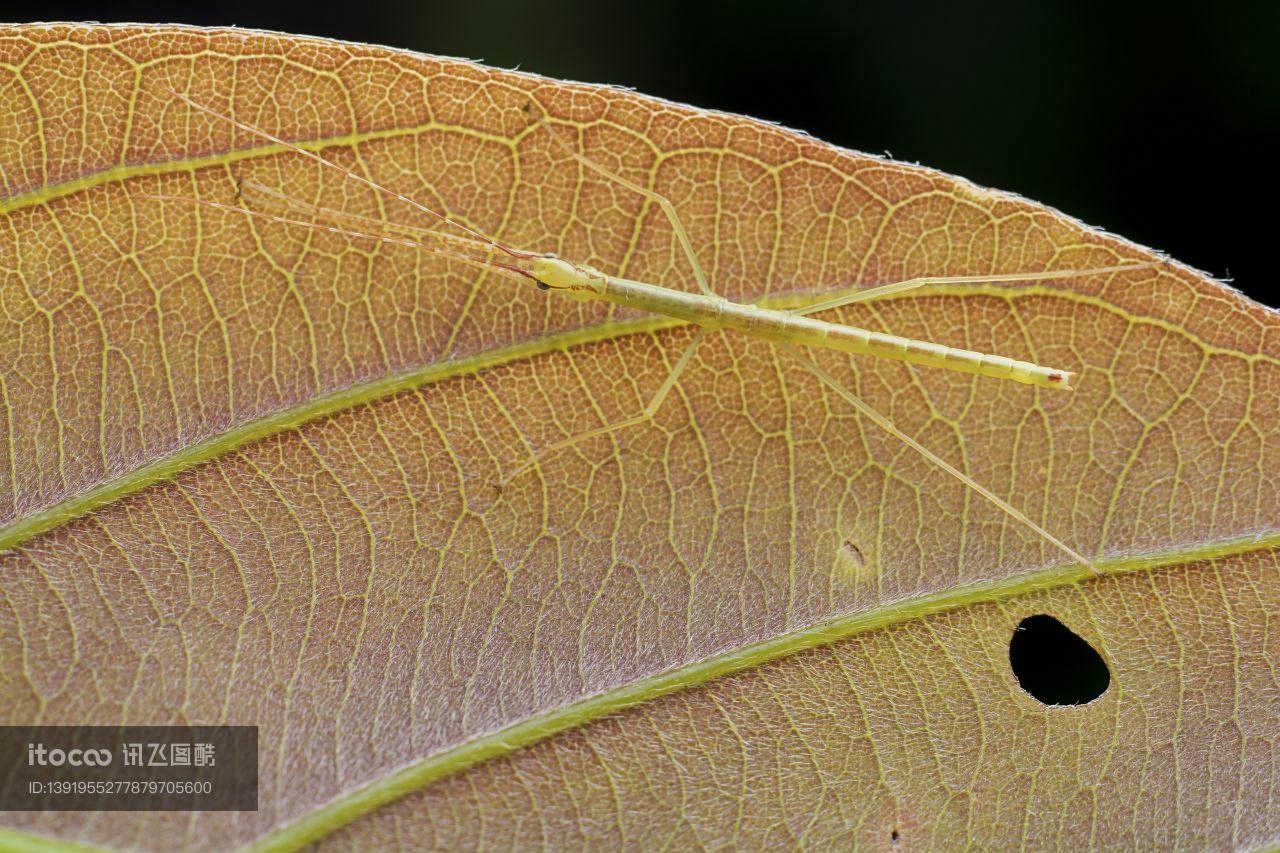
(1055, 665)
(893, 837)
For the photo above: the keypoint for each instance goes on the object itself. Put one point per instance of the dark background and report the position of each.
(1160, 125)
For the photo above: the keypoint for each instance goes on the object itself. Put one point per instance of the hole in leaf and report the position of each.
(1054, 664)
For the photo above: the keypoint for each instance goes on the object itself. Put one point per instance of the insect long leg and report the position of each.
(887, 425)
(386, 191)
(255, 193)
(486, 263)
(664, 204)
(913, 283)
(649, 411)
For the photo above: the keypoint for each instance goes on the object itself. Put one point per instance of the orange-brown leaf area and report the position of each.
(360, 587)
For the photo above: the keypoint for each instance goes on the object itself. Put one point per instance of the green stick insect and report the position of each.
(790, 329)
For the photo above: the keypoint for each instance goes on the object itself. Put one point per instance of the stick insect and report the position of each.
(790, 329)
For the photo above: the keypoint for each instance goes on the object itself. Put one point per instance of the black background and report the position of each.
(1157, 124)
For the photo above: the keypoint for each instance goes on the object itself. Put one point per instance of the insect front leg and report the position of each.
(664, 204)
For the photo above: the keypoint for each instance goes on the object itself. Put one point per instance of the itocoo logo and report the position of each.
(37, 755)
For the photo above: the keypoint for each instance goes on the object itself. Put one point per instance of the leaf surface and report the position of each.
(250, 473)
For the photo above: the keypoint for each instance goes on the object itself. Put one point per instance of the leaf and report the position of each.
(251, 475)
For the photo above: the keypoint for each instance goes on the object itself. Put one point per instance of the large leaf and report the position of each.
(251, 475)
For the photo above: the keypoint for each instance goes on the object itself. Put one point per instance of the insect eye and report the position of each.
(542, 285)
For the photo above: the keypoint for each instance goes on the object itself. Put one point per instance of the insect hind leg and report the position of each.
(887, 425)
(880, 292)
